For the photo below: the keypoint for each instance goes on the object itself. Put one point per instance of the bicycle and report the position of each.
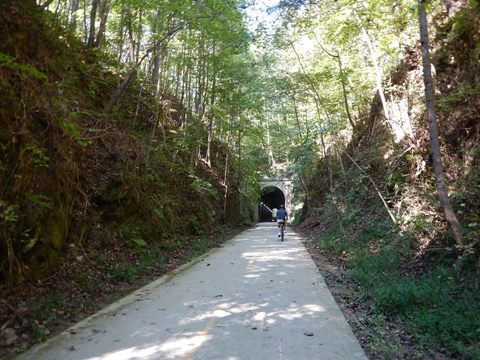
(282, 229)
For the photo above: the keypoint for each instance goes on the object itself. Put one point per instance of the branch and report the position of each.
(342, 80)
(45, 5)
(376, 189)
(122, 86)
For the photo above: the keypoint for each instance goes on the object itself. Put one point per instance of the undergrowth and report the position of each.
(148, 262)
(438, 307)
(75, 174)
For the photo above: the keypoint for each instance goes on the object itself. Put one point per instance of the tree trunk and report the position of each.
(317, 96)
(208, 156)
(450, 216)
(93, 17)
(84, 25)
(345, 95)
(324, 148)
(104, 9)
(271, 160)
(117, 94)
(452, 7)
(327, 163)
(378, 73)
(120, 35)
(342, 167)
(131, 39)
(139, 36)
(122, 86)
(156, 54)
(225, 175)
(342, 80)
(297, 117)
(163, 74)
(74, 6)
(306, 199)
(156, 71)
(200, 77)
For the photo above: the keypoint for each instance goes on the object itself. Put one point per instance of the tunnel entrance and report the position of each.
(271, 197)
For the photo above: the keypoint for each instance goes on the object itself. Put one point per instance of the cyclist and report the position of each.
(281, 217)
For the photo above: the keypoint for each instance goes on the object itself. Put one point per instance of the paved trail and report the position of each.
(254, 298)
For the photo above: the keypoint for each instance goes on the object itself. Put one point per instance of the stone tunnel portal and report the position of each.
(272, 197)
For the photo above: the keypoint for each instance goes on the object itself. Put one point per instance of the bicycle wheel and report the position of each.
(282, 231)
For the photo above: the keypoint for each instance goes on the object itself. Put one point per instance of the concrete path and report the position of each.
(254, 298)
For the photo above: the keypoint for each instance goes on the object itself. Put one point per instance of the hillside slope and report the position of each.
(418, 290)
(92, 203)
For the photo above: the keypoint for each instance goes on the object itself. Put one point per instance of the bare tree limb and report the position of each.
(375, 187)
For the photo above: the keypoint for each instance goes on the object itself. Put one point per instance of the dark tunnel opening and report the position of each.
(272, 197)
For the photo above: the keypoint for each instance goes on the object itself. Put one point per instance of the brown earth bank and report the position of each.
(88, 279)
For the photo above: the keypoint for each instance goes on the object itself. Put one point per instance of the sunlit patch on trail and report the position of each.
(272, 255)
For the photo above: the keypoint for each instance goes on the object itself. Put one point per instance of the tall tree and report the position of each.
(450, 216)
(93, 19)
(103, 13)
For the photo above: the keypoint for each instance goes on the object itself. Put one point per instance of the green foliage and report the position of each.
(52, 301)
(159, 213)
(172, 245)
(45, 307)
(126, 273)
(332, 239)
(374, 232)
(102, 262)
(435, 306)
(369, 268)
(39, 330)
(41, 201)
(3, 168)
(203, 186)
(153, 259)
(150, 261)
(39, 156)
(468, 255)
(303, 156)
(201, 245)
(26, 70)
(9, 213)
(28, 241)
(438, 306)
(460, 94)
(85, 282)
(194, 225)
(466, 21)
(377, 325)
(74, 132)
(132, 236)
